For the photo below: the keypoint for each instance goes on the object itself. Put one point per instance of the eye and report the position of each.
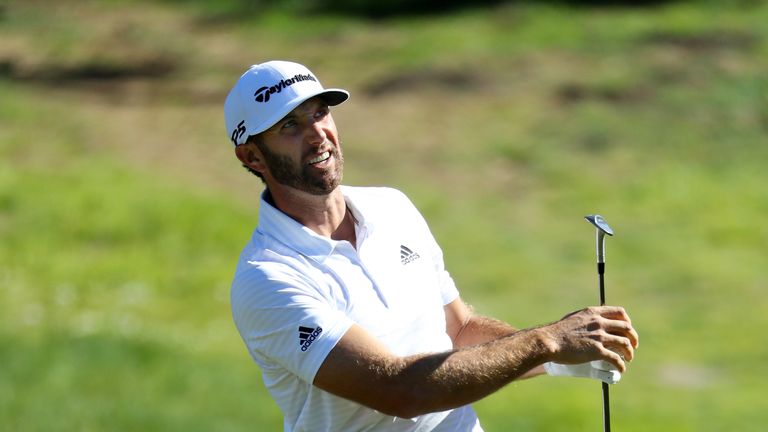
(322, 112)
(288, 124)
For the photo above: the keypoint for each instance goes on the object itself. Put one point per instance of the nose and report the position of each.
(315, 134)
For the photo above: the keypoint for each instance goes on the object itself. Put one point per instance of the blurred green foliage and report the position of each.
(122, 210)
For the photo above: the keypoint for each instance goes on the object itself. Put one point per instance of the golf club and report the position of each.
(602, 230)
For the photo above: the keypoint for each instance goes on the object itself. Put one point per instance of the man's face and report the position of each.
(302, 151)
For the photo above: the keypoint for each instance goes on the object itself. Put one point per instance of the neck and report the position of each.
(326, 215)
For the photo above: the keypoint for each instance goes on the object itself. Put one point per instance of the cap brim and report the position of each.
(332, 97)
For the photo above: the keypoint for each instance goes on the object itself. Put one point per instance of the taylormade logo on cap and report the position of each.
(262, 94)
(266, 93)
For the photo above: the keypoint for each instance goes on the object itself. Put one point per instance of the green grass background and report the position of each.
(123, 210)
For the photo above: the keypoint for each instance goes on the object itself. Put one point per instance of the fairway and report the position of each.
(123, 209)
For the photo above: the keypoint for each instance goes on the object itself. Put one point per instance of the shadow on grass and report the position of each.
(235, 10)
(89, 70)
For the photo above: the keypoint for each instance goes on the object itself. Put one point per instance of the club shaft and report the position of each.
(606, 409)
(602, 230)
(606, 398)
(601, 276)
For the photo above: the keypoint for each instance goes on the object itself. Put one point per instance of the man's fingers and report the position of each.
(622, 328)
(614, 312)
(620, 345)
(597, 333)
(614, 359)
(619, 322)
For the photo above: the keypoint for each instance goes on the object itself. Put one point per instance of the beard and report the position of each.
(304, 177)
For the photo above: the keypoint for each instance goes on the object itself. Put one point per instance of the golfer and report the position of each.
(341, 295)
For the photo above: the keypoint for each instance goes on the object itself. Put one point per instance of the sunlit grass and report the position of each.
(121, 217)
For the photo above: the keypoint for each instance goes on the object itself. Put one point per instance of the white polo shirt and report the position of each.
(296, 293)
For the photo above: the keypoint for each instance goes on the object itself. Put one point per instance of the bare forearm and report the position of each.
(442, 381)
(362, 369)
(480, 329)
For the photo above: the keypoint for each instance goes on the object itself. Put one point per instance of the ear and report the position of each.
(250, 155)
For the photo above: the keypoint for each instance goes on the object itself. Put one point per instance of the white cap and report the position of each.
(267, 92)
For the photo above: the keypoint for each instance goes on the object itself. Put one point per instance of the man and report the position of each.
(341, 296)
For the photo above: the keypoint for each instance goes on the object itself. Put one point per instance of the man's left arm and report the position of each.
(466, 328)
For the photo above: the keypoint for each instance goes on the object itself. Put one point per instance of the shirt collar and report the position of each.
(296, 236)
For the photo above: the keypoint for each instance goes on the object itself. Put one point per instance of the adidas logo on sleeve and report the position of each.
(307, 335)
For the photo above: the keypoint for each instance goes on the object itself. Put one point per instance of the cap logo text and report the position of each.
(263, 93)
(238, 132)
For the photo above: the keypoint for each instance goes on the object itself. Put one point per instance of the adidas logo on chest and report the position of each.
(407, 255)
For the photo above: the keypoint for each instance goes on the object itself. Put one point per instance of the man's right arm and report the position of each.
(362, 369)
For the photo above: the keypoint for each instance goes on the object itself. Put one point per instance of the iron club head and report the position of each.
(602, 229)
(600, 223)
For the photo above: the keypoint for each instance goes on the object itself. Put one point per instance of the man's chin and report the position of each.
(323, 188)
(312, 183)
(322, 185)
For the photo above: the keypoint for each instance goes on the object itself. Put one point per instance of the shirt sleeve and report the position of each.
(448, 287)
(284, 320)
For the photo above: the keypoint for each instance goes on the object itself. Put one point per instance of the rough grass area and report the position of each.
(123, 210)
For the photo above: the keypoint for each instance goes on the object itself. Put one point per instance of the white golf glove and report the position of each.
(598, 369)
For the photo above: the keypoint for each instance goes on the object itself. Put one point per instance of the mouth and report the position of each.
(322, 157)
